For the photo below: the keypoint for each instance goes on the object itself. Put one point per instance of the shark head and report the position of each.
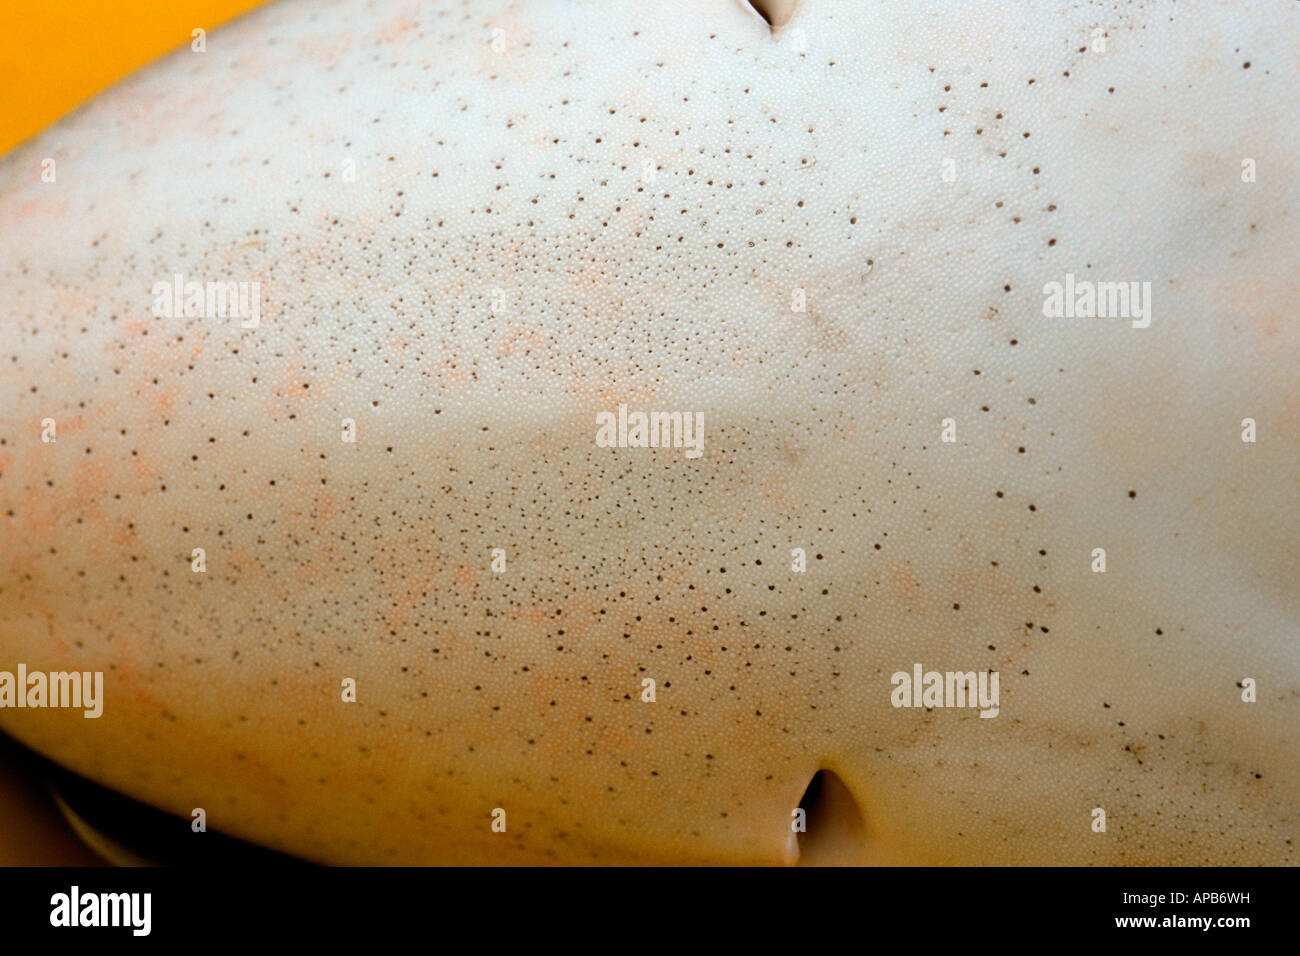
(309, 338)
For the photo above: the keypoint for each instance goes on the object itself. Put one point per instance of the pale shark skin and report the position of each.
(811, 158)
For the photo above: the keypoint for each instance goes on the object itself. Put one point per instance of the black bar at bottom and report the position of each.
(618, 908)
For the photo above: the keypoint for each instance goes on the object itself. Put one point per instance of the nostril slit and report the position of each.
(835, 832)
(775, 12)
(812, 794)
